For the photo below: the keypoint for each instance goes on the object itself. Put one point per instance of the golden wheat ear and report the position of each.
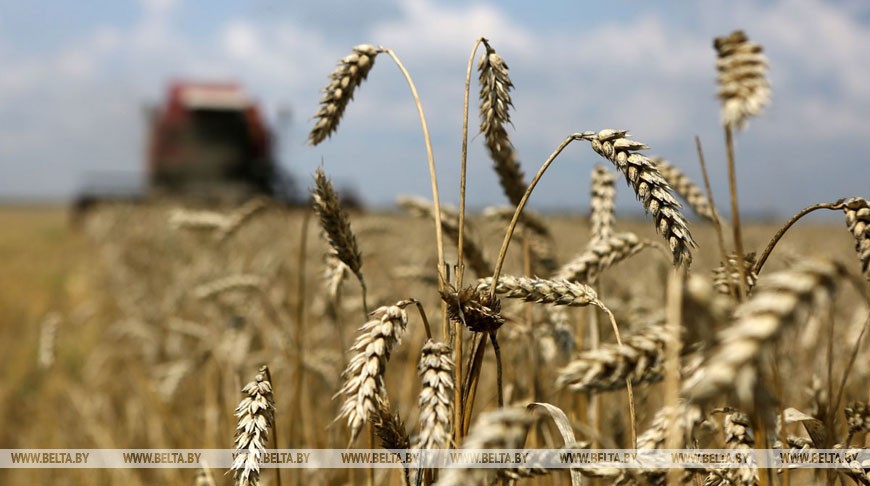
(743, 86)
(351, 71)
(650, 187)
(436, 396)
(495, 104)
(336, 224)
(256, 415)
(364, 375)
(857, 211)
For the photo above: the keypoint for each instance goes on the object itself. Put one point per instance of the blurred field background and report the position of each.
(141, 358)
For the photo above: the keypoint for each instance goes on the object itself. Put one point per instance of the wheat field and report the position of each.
(167, 324)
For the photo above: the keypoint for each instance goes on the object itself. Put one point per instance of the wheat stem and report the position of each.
(513, 224)
(717, 222)
(436, 200)
(460, 271)
(781, 232)
(298, 396)
(735, 212)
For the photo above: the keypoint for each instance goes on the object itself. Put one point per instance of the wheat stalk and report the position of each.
(857, 211)
(601, 204)
(781, 300)
(640, 359)
(532, 222)
(743, 86)
(685, 188)
(436, 396)
(256, 415)
(352, 70)
(336, 224)
(650, 187)
(495, 103)
(364, 375)
(599, 255)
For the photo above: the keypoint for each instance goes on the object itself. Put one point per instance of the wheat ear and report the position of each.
(640, 359)
(495, 104)
(738, 435)
(542, 291)
(336, 224)
(857, 418)
(600, 255)
(682, 416)
(601, 203)
(857, 211)
(781, 300)
(685, 188)
(743, 86)
(364, 375)
(48, 340)
(352, 70)
(650, 187)
(256, 415)
(436, 396)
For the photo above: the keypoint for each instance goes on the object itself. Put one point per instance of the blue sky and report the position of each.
(77, 75)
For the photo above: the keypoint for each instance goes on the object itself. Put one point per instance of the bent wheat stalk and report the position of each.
(840, 204)
(338, 97)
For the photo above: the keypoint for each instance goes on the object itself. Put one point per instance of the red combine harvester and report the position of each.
(207, 143)
(209, 140)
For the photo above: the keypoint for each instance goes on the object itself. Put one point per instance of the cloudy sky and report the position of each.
(76, 76)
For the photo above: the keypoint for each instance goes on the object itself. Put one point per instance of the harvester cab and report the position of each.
(208, 140)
